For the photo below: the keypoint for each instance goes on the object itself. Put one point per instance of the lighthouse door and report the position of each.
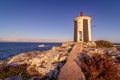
(80, 35)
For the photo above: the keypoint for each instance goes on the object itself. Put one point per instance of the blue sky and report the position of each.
(53, 19)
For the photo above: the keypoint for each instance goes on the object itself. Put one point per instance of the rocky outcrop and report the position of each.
(72, 70)
(112, 52)
(90, 44)
(46, 64)
(59, 61)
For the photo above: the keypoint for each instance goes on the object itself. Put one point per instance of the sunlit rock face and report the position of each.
(90, 44)
(46, 64)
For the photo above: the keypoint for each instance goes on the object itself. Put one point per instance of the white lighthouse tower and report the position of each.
(82, 28)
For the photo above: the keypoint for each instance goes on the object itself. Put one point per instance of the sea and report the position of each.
(10, 49)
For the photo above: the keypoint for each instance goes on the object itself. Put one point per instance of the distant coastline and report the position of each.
(116, 43)
(30, 40)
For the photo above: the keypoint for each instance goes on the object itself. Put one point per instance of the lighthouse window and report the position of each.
(75, 23)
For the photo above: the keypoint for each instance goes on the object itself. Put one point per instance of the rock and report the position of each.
(90, 44)
(12, 64)
(66, 44)
(118, 56)
(14, 78)
(56, 59)
(56, 48)
(44, 63)
(113, 57)
(62, 58)
(1, 63)
(36, 78)
(24, 58)
(114, 54)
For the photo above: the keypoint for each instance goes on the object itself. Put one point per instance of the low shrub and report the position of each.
(99, 67)
(103, 43)
(8, 71)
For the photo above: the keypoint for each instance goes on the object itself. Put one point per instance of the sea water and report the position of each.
(10, 49)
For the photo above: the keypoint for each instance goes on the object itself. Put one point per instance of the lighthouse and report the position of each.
(82, 28)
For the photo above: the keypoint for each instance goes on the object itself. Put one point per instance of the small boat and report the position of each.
(42, 45)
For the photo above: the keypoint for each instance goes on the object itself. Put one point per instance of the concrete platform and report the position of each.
(71, 71)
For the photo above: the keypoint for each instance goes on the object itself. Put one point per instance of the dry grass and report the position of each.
(99, 67)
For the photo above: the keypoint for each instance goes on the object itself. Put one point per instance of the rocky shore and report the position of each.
(41, 64)
(47, 65)
(113, 52)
